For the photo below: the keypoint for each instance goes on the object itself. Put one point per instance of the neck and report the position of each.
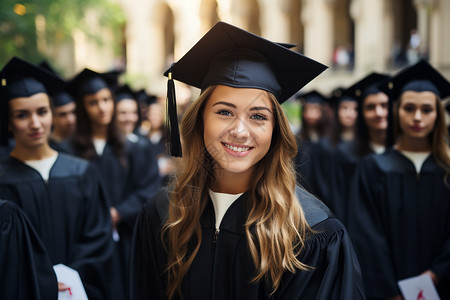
(38, 153)
(347, 134)
(413, 145)
(378, 137)
(100, 132)
(231, 183)
(57, 136)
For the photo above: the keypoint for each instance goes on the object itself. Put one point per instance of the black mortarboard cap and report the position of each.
(62, 98)
(228, 55)
(88, 82)
(19, 78)
(419, 77)
(312, 97)
(46, 65)
(366, 86)
(124, 92)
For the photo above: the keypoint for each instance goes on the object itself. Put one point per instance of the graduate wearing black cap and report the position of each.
(62, 195)
(64, 118)
(25, 268)
(342, 129)
(233, 225)
(130, 177)
(370, 133)
(63, 110)
(314, 123)
(128, 119)
(400, 205)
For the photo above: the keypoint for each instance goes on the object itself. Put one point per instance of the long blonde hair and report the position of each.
(275, 213)
(438, 139)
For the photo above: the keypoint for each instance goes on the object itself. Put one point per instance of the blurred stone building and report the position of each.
(353, 37)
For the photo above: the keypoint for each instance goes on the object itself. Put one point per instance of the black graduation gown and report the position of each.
(128, 188)
(223, 269)
(25, 268)
(322, 169)
(344, 161)
(304, 166)
(400, 222)
(69, 212)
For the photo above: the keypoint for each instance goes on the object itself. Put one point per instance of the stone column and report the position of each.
(279, 30)
(317, 18)
(371, 44)
(423, 8)
(439, 43)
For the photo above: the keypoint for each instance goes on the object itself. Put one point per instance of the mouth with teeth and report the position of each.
(241, 151)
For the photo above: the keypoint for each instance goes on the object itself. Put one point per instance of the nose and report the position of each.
(240, 130)
(417, 115)
(34, 121)
(102, 105)
(71, 118)
(379, 110)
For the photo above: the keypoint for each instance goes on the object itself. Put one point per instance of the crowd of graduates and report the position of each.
(80, 158)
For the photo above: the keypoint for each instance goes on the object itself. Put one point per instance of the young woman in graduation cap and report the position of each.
(129, 178)
(400, 205)
(62, 195)
(233, 224)
(370, 137)
(314, 127)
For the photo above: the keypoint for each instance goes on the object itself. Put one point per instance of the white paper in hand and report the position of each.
(418, 288)
(71, 278)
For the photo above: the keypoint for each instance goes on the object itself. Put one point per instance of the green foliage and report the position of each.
(18, 32)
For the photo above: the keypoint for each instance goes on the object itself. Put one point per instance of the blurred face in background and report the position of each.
(155, 116)
(312, 113)
(99, 107)
(64, 120)
(127, 115)
(347, 113)
(375, 111)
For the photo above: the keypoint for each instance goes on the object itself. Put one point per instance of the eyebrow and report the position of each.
(234, 106)
(27, 109)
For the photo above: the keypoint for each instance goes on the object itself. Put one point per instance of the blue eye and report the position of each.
(258, 117)
(224, 112)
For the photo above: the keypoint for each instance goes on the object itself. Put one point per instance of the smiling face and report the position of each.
(127, 115)
(238, 126)
(417, 114)
(99, 107)
(30, 120)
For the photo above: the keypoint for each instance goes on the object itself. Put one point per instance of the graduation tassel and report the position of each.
(4, 110)
(172, 119)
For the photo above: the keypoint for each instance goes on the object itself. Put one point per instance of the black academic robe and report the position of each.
(399, 222)
(322, 169)
(25, 268)
(128, 187)
(344, 159)
(304, 166)
(69, 212)
(223, 268)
